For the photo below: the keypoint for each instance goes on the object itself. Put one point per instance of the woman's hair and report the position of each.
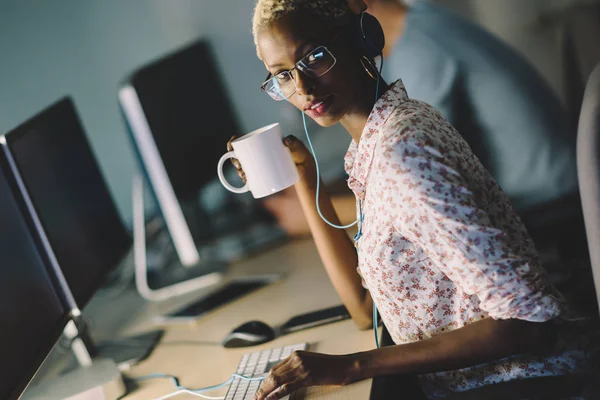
(267, 11)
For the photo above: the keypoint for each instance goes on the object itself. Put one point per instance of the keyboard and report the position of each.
(254, 365)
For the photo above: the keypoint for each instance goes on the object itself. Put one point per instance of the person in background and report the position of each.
(501, 106)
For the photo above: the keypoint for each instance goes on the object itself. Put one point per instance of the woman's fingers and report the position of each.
(303, 369)
(283, 379)
(229, 143)
(286, 389)
(234, 161)
(290, 140)
(281, 366)
(293, 143)
(299, 151)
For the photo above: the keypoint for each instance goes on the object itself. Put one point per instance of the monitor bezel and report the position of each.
(156, 175)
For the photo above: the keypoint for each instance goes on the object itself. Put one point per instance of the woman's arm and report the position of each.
(345, 207)
(480, 342)
(477, 343)
(335, 247)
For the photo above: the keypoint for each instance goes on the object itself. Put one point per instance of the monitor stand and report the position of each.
(96, 374)
(125, 351)
(101, 380)
(173, 289)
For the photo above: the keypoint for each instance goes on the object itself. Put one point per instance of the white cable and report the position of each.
(312, 149)
(359, 221)
(187, 391)
(319, 182)
(194, 392)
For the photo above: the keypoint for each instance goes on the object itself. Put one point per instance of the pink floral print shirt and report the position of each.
(441, 246)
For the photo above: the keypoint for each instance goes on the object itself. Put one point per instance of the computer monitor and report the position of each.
(69, 195)
(74, 216)
(33, 314)
(180, 119)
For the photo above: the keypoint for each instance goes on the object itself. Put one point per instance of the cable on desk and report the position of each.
(194, 392)
(187, 391)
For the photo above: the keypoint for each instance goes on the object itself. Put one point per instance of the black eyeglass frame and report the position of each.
(302, 68)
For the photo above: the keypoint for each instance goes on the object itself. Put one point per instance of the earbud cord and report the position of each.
(360, 219)
(312, 150)
(310, 145)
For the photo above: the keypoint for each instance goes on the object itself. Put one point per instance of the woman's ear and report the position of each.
(357, 6)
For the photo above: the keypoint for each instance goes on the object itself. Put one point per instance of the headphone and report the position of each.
(368, 34)
(366, 29)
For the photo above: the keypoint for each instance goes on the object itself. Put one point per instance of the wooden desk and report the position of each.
(305, 287)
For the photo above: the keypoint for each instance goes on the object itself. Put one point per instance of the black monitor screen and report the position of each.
(31, 313)
(189, 114)
(70, 197)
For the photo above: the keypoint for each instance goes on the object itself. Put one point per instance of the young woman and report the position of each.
(453, 273)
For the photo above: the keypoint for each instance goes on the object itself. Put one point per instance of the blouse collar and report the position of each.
(360, 156)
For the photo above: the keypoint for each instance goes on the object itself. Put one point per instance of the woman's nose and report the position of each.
(304, 84)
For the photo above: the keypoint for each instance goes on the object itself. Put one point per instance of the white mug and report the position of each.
(266, 161)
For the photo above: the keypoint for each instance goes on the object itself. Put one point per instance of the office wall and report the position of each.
(537, 29)
(84, 48)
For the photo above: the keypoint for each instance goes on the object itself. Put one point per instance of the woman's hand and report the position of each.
(303, 369)
(235, 161)
(300, 154)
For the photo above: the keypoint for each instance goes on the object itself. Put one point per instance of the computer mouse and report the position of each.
(249, 334)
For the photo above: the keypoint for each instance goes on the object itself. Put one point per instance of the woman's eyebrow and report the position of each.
(307, 46)
(301, 50)
(274, 66)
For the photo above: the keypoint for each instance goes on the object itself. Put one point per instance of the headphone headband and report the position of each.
(369, 34)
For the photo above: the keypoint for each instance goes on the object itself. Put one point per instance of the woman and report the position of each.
(448, 263)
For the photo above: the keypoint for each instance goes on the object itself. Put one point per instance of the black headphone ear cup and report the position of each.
(371, 38)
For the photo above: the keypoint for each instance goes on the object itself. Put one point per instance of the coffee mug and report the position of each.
(267, 162)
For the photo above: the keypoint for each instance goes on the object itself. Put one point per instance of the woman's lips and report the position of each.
(319, 108)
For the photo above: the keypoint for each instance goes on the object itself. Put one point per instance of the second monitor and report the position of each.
(179, 118)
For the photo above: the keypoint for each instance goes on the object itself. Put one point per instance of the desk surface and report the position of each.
(304, 288)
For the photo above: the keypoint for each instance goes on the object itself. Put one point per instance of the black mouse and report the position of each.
(249, 334)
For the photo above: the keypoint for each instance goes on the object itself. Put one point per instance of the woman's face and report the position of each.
(326, 99)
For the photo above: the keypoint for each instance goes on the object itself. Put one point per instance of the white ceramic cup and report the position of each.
(266, 161)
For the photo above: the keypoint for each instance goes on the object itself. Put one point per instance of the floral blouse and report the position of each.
(441, 246)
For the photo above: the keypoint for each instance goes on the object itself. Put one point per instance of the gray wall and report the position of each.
(84, 48)
(537, 30)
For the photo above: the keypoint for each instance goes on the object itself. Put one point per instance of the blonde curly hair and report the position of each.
(267, 11)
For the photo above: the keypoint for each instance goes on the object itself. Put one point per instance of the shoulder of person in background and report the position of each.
(509, 115)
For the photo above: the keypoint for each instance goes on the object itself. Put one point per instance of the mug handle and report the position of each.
(224, 182)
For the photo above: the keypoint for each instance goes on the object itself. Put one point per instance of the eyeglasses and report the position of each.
(315, 64)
